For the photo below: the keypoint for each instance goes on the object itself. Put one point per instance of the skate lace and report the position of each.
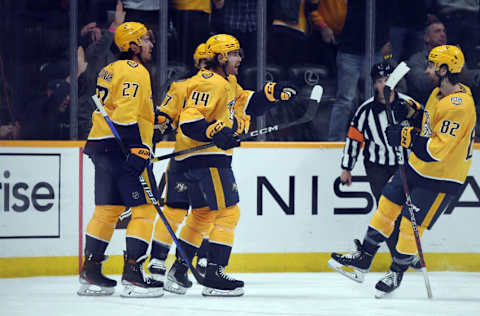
(390, 278)
(158, 264)
(352, 255)
(221, 272)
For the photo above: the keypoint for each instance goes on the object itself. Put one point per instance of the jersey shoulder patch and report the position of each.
(207, 75)
(456, 100)
(132, 64)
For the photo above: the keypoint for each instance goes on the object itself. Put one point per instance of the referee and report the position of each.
(368, 127)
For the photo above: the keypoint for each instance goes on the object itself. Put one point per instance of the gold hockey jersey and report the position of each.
(210, 97)
(124, 89)
(441, 158)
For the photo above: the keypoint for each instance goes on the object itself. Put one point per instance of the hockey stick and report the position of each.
(392, 81)
(148, 191)
(315, 95)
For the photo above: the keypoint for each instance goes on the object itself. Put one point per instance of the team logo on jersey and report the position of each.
(132, 64)
(427, 128)
(181, 187)
(230, 107)
(105, 75)
(135, 195)
(456, 100)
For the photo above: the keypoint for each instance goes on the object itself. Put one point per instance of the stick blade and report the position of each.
(316, 93)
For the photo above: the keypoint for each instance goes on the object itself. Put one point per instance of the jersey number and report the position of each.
(470, 145)
(128, 87)
(449, 127)
(198, 97)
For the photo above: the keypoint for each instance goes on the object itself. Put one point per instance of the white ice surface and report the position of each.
(282, 294)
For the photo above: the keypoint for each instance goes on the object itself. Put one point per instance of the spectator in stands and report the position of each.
(239, 19)
(327, 20)
(48, 117)
(289, 31)
(351, 61)
(406, 31)
(98, 54)
(461, 19)
(419, 83)
(191, 20)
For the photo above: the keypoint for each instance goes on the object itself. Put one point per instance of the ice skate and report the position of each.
(136, 283)
(415, 264)
(388, 283)
(92, 281)
(353, 265)
(157, 269)
(218, 283)
(202, 266)
(177, 278)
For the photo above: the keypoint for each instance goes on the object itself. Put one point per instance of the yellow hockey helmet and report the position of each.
(129, 32)
(221, 44)
(449, 55)
(200, 53)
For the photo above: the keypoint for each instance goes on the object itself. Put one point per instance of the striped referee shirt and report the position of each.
(368, 126)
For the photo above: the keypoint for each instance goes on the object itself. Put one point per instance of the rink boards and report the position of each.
(294, 211)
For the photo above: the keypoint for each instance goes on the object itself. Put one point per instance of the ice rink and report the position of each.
(282, 294)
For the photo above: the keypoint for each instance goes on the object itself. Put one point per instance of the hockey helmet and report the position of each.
(383, 69)
(200, 53)
(127, 33)
(449, 55)
(221, 44)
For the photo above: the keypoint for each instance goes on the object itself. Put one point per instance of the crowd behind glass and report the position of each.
(306, 42)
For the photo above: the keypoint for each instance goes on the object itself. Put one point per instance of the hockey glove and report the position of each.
(400, 135)
(279, 91)
(223, 137)
(241, 124)
(137, 160)
(407, 110)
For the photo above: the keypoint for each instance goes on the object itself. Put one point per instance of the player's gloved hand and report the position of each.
(406, 109)
(137, 160)
(281, 91)
(400, 135)
(163, 124)
(241, 124)
(223, 137)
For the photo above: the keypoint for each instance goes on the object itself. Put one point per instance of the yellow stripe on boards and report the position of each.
(217, 185)
(239, 263)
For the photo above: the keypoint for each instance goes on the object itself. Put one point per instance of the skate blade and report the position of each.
(131, 290)
(89, 289)
(349, 272)
(380, 294)
(208, 291)
(174, 288)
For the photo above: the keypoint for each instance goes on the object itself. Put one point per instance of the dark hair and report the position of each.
(126, 55)
(212, 63)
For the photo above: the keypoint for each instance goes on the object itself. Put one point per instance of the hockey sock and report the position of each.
(372, 240)
(95, 248)
(219, 253)
(136, 248)
(203, 250)
(189, 250)
(159, 250)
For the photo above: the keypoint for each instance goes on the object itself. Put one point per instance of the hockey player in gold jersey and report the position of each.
(176, 203)
(440, 158)
(125, 91)
(216, 110)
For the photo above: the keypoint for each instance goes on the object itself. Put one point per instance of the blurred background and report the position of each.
(52, 51)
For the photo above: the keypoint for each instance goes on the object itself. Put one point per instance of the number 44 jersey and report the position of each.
(442, 159)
